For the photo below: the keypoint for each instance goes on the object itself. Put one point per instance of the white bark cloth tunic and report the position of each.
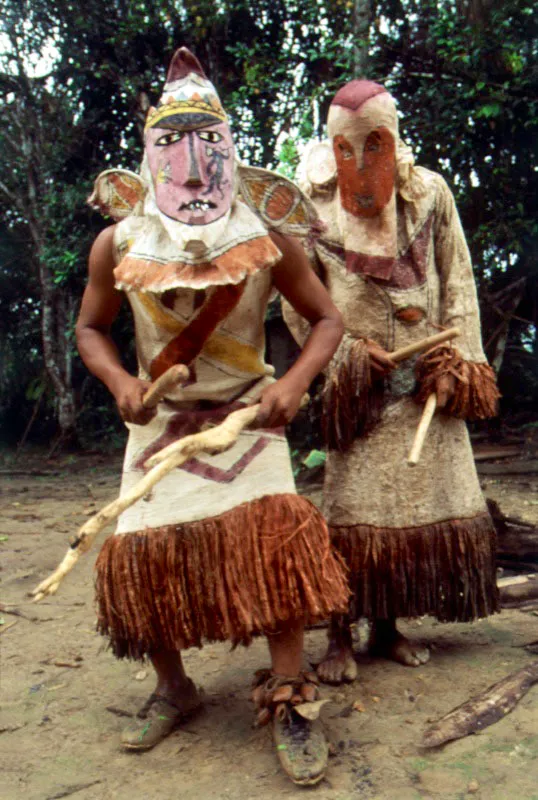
(228, 372)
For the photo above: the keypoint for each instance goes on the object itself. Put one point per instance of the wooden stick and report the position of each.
(216, 439)
(164, 384)
(484, 709)
(422, 430)
(424, 344)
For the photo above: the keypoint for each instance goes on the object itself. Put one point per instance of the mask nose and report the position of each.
(194, 177)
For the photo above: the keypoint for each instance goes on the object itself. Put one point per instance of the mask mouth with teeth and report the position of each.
(189, 147)
(201, 206)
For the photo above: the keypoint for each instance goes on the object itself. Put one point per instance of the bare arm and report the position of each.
(299, 284)
(100, 306)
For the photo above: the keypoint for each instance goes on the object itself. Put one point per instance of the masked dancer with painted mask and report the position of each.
(223, 549)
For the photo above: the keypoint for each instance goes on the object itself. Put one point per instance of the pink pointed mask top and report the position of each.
(183, 62)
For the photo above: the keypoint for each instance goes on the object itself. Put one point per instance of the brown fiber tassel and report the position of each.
(476, 395)
(352, 399)
(446, 569)
(230, 577)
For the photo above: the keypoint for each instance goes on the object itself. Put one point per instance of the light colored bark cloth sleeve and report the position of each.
(459, 302)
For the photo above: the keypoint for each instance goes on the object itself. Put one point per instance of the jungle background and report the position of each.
(76, 80)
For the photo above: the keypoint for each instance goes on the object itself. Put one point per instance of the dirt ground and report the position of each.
(65, 699)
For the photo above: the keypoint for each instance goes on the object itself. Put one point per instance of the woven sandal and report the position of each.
(293, 706)
(158, 718)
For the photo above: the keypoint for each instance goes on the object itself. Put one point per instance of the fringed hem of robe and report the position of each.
(446, 569)
(229, 577)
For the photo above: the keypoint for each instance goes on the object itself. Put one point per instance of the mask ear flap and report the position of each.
(316, 172)
(117, 193)
(279, 203)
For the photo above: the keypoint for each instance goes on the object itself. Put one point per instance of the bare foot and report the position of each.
(338, 665)
(387, 641)
(406, 652)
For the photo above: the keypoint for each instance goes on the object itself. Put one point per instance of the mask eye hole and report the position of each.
(345, 151)
(169, 138)
(373, 143)
(210, 136)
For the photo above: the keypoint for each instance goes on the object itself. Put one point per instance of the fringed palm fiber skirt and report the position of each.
(228, 577)
(446, 569)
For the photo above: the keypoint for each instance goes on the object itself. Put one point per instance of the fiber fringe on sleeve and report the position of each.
(352, 399)
(476, 395)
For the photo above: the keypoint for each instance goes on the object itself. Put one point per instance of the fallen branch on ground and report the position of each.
(517, 540)
(483, 710)
(7, 625)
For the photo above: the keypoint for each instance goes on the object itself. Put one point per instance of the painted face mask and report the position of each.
(366, 190)
(363, 126)
(189, 147)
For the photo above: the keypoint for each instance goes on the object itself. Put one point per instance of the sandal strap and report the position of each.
(277, 695)
(150, 702)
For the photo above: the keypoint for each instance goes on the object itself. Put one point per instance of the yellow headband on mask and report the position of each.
(190, 106)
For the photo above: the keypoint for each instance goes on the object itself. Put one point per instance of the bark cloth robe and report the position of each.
(417, 540)
(223, 548)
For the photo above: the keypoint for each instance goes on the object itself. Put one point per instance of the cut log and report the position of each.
(483, 452)
(517, 540)
(483, 710)
(529, 467)
(518, 590)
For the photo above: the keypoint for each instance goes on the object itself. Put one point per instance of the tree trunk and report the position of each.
(57, 319)
(362, 17)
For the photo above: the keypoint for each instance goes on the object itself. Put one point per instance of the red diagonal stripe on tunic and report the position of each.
(188, 344)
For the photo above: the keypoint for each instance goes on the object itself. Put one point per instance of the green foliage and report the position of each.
(78, 78)
(315, 458)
